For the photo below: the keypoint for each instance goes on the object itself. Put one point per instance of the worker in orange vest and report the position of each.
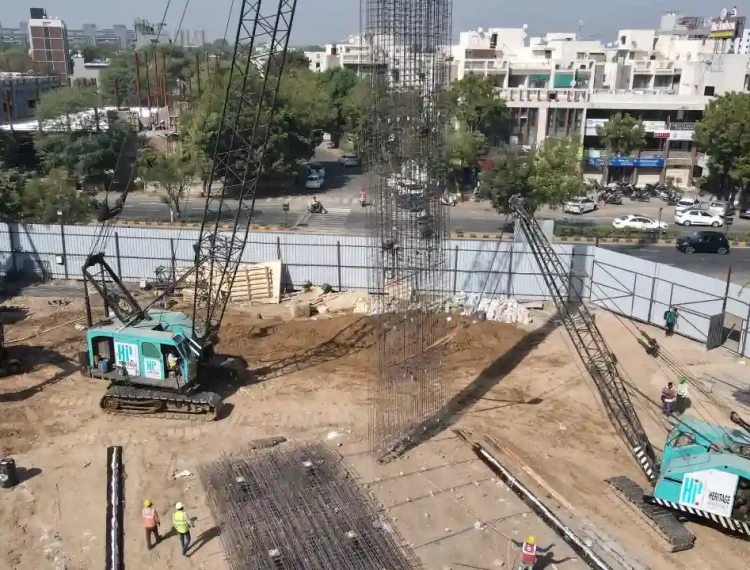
(529, 552)
(151, 522)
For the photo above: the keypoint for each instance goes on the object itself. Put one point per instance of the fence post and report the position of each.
(172, 258)
(455, 270)
(117, 255)
(653, 290)
(726, 291)
(509, 287)
(338, 261)
(278, 247)
(64, 249)
(13, 259)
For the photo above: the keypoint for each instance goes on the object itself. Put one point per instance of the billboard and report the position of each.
(710, 490)
(723, 29)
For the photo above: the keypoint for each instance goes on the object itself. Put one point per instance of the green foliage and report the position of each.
(465, 147)
(724, 134)
(15, 59)
(172, 172)
(340, 84)
(98, 52)
(476, 105)
(12, 183)
(548, 176)
(555, 173)
(72, 139)
(622, 135)
(42, 198)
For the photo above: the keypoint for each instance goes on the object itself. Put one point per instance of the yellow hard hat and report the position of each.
(147, 503)
(530, 540)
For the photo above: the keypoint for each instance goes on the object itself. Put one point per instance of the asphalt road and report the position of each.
(711, 265)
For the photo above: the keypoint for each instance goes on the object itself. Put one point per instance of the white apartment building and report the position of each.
(560, 85)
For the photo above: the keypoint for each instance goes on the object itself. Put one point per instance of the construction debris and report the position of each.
(501, 310)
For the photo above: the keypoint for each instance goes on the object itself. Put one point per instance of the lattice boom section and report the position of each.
(295, 507)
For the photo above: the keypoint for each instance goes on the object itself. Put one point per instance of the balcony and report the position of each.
(486, 66)
(649, 67)
(523, 94)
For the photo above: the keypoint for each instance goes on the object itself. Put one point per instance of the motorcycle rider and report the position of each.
(313, 205)
(362, 197)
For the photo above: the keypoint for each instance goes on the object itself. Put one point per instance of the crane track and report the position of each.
(144, 402)
(662, 521)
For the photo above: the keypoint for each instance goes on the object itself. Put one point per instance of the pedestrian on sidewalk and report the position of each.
(670, 320)
(668, 399)
(181, 523)
(151, 522)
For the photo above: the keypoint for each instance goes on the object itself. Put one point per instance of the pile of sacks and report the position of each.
(503, 310)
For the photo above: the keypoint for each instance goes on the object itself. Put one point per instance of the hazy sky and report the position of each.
(324, 21)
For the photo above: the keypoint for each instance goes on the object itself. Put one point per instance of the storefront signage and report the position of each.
(723, 29)
(682, 126)
(629, 161)
(674, 135)
(651, 126)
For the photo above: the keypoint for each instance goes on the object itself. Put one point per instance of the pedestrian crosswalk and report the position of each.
(333, 221)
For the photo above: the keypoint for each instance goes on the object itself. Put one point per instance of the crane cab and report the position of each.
(154, 352)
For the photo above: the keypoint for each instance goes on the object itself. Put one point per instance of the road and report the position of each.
(346, 217)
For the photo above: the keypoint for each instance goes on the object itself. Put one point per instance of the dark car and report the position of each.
(704, 242)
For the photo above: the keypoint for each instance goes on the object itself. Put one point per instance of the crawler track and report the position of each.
(132, 401)
(662, 521)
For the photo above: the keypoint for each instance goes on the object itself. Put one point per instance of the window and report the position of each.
(708, 90)
(580, 55)
(683, 439)
(493, 41)
(623, 39)
(150, 350)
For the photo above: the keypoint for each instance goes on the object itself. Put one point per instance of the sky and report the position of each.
(329, 21)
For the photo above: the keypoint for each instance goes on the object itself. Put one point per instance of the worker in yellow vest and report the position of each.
(181, 523)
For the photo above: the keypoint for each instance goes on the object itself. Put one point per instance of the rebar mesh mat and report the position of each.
(296, 507)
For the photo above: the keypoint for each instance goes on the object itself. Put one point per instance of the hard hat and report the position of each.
(179, 506)
(147, 503)
(530, 540)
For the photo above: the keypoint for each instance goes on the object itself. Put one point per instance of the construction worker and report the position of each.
(151, 522)
(529, 553)
(668, 398)
(670, 320)
(173, 363)
(181, 523)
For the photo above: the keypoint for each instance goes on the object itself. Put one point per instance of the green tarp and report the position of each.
(564, 80)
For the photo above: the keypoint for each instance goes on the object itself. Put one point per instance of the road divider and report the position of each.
(196, 225)
(591, 240)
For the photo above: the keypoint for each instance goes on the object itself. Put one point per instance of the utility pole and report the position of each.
(198, 73)
(138, 83)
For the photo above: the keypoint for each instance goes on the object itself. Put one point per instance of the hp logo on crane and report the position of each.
(691, 492)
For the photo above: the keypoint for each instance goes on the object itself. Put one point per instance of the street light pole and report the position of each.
(660, 210)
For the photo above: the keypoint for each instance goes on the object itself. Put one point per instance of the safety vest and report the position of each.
(180, 522)
(149, 517)
(528, 553)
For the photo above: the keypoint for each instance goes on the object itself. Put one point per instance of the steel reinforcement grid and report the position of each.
(402, 146)
(296, 506)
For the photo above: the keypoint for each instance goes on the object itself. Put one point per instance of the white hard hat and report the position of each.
(179, 506)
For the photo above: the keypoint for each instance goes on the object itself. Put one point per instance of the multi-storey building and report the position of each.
(561, 85)
(190, 38)
(148, 34)
(49, 45)
(15, 36)
(89, 35)
(20, 93)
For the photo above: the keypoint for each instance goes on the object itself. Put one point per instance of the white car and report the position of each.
(721, 209)
(317, 168)
(349, 160)
(633, 222)
(314, 182)
(686, 204)
(698, 218)
(579, 205)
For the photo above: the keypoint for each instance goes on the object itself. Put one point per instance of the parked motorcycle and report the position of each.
(640, 196)
(448, 200)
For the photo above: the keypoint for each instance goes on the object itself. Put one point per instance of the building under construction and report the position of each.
(403, 149)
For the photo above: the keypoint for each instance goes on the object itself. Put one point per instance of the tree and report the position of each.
(547, 176)
(477, 106)
(73, 135)
(173, 173)
(15, 59)
(622, 135)
(296, 59)
(509, 175)
(12, 183)
(724, 134)
(98, 52)
(339, 83)
(43, 197)
(464, 150)
(555, 174)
